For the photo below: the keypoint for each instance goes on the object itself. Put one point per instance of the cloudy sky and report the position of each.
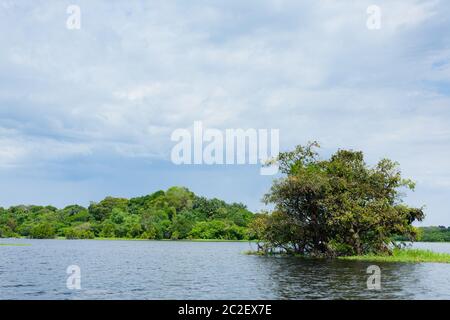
(89, 113)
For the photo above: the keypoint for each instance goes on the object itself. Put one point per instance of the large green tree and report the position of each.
(338, 206)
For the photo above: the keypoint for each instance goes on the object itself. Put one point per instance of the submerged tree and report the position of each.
(339, 206)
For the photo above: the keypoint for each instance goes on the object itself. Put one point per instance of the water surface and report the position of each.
(202, 270)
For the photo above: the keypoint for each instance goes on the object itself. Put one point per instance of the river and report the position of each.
(202, 270)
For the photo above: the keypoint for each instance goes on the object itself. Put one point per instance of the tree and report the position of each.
(81, 231)
(170, 214)
(339, 206)
(179, 198)
(75, 213)
(104, 208)
(156, 224)
(217, 229)
(182, 224)
(43, 230)
(137, 205)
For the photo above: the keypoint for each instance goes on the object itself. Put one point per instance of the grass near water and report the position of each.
(404, 255)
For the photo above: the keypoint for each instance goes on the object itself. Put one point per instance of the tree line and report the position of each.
(430, 234)
(338, 206)
(173, 214)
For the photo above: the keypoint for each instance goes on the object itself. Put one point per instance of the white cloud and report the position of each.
(21, 152)
(136, 71)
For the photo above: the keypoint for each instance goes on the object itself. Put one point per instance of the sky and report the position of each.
(88, 113)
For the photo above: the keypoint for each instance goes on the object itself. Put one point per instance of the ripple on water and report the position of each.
(197, 270)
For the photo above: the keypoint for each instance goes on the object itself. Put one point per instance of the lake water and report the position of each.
(202, 270)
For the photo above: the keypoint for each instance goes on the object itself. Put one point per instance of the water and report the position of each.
(202, 270)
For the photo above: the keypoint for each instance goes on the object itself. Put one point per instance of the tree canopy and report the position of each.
(173, 214)
(322, 207)
(338, 206)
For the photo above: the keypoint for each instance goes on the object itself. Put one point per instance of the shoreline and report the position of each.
(398, 256)
(179, 240)
(404, 256)
(132, 239)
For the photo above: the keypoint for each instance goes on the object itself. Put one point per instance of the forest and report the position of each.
(430, 234)
(322, 207)
(173, 214)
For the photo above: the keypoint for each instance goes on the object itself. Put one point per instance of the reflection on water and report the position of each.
(197, 270)
(309, 279)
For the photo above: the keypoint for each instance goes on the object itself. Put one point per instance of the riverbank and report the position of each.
(174, 240)
(398, 255)
(404, 255)
(137, 239)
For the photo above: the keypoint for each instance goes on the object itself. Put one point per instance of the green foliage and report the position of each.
(182, 225)
(217, 229)
(81, 231)
(43, 230)
(175, 214)
(179, 198)
(339, 206)
(103, 209)
(404, 255)
(430, 234)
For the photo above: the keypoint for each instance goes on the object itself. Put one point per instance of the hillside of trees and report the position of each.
(173, 214)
